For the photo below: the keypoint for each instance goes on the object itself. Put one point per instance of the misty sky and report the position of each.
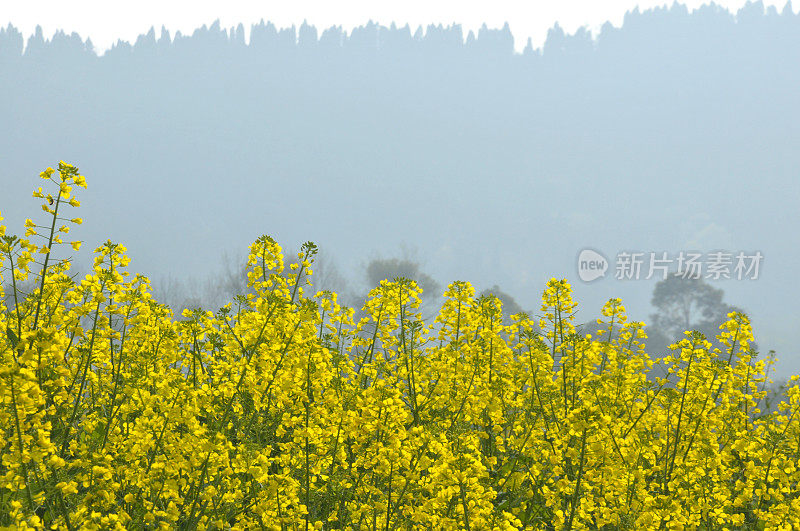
(676, 130)
(106, 22)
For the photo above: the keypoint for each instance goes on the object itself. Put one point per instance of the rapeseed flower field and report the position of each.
(280, 411)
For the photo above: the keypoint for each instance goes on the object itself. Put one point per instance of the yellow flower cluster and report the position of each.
(280, 411)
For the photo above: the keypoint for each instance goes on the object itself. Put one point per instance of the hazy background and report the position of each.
(676, 131)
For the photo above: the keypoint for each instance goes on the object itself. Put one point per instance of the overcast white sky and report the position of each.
(106, 21)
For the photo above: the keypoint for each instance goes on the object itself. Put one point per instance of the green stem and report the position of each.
(19, 442)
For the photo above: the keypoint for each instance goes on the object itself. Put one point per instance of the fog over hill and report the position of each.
(677, 131)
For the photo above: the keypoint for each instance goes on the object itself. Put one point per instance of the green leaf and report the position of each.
(12, 337)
